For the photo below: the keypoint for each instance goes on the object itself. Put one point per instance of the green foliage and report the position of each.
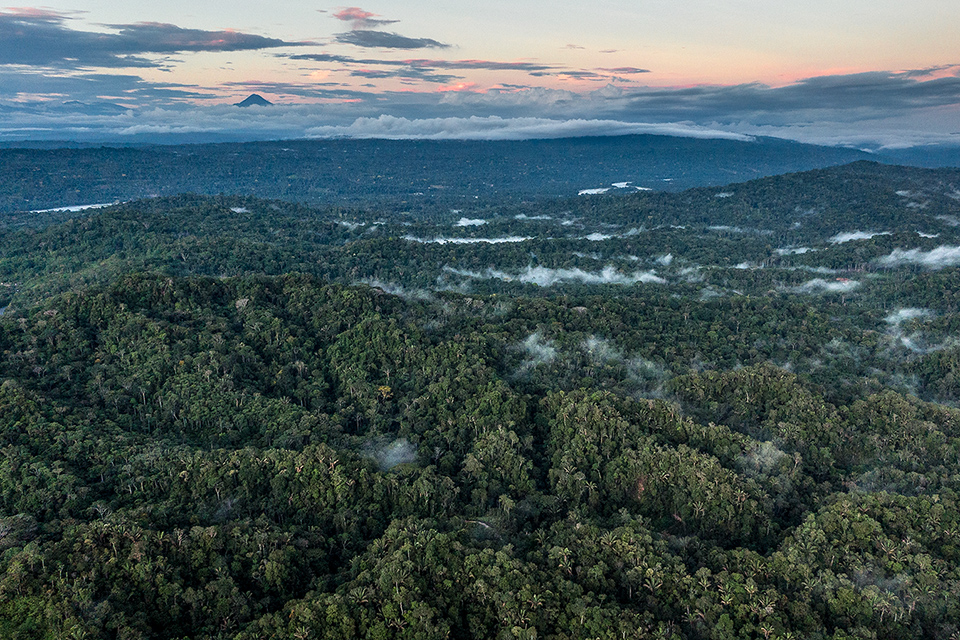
(208, 445)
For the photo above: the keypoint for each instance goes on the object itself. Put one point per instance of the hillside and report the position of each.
(727, 412)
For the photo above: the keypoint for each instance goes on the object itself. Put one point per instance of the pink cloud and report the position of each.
(33, 13)
(360, 18)
(460, 87)
(353, 13)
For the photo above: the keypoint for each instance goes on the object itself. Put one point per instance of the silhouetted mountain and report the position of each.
(254, 100)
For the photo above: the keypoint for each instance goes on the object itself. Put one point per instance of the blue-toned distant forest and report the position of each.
(417, 171)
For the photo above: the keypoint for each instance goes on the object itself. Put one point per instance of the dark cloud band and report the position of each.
(45, 39)
(385, 40)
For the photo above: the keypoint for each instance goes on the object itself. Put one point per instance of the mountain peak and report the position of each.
(254, 100)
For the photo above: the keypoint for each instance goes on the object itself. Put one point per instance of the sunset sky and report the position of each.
(866, 73)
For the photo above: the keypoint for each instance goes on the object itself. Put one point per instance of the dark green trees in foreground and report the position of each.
(280, 457)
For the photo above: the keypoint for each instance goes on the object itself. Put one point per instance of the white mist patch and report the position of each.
(538, 351)
(723, 228)
(397, 290)
(591, 256)
(819, 285)
(546, 277)
(352, 226)
(900, 316)
(665, 260)
(239, 209)
(491, 127)
(763, 458)
(523, 216)
(638, 369)
(939, 258)
(822, 270)
(709, 293)
(928, 235)
(953, 221)
(76, 207)
(851, 236)
(793, 251)
(470, 222)
(723, 194)
(596, 237)
(468, 240)
(593, 192)
(599, 237)
(400, 451)
(914, 342)
(601, 350)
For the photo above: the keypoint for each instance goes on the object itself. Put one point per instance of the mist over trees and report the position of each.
(228, 417)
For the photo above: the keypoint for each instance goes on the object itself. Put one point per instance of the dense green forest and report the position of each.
(720, 413)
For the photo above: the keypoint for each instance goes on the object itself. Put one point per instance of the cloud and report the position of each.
(852, 96)
(43, 39)
(53, 120)
(625, 70)
(360, 18)
(763, 457)
(507, 239)
(904, 315)
(487, 65)
(538, 350)
(819, 285)
(914, 342)
(728, 229)
(939, 258)
(470, 222)
(410, 73)
(386, 40)
(546, 277)
(325, 90)
(638, 369)
(400, 451)
(506, 113)
(396, 289)
(497, 128)
(850, 236)
(84, 89)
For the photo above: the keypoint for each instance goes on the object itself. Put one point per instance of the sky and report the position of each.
(863, 73)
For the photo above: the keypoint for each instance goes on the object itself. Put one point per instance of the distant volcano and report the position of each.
(254, 100)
